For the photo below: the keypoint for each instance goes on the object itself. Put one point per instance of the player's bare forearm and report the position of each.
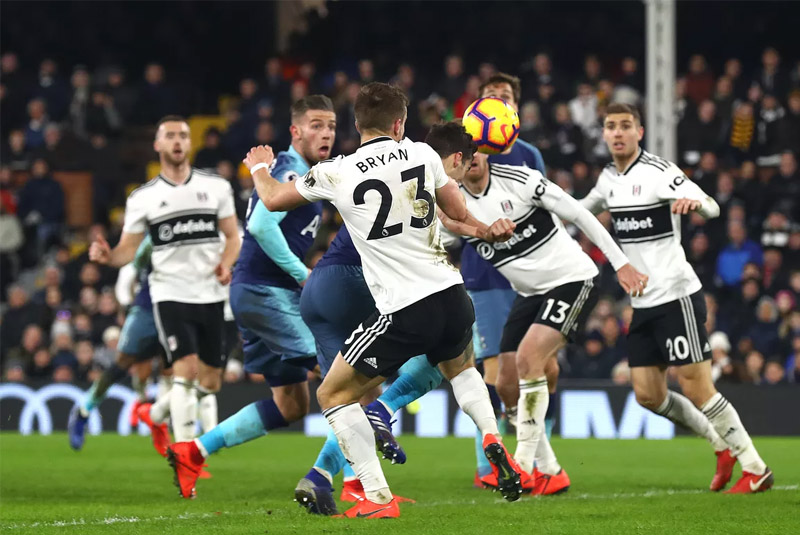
(122, 254)
(276, 196)
(233, 242)
(469, 227)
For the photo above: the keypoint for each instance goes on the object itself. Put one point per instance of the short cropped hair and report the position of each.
(504, 78)
(378, 105)
(619, 107)
(310, 102)
(450, 138)
(171, 119)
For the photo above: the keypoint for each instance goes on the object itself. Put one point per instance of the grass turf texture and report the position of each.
(120, 485)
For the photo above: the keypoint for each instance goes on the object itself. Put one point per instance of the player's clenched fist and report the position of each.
(257, 155)
(501, 230)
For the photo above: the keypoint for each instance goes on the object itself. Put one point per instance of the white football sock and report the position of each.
(726, 421)
(207, 403)
(546, 460)
(531, 409)
(164, 385)
(357, 440)
(183, 409)
(473, 398)
(160, 409)
(681, 411)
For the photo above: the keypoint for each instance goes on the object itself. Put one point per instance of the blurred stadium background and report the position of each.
(83, 83)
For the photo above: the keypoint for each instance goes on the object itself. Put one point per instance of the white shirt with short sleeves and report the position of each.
(386, 193)
(182, 220)
(541, 255)
(640, 200)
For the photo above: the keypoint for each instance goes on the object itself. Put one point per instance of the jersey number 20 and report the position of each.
(378, 229)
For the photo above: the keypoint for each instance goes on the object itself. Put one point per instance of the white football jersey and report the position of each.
(640, 200)
(182, 220)
(386, 193)
(541, 255)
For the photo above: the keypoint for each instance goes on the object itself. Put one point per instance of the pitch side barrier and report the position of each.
(584, 410)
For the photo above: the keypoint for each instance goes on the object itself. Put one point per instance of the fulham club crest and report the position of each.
(637, 190)
(507, 207)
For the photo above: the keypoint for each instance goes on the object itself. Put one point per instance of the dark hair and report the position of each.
(449, 138)
(378, 105)
(504, 78)
(311, 102)
(171, 119)
(619, 107)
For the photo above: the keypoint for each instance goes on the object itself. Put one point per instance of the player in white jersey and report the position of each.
(186, 213)
(553, 278)
(387, 193)
(646, 196)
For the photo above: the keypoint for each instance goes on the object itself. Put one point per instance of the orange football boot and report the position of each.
(367, 509)
(187, 463)
(725, 464)
(751, 483)
(159, 432)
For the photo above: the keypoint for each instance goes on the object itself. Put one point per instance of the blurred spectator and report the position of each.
(41, 208)
(593, 360)
(774, 373)
(733, 71)
(754, 366)
(11, 234)
(789, 127)
(770, 77)
(724, 98)
(612, 340)
(17, 155)
(452, 84)
(37, 121)
(61, 351)
(106, 353)
(702, 259)
(32, 340)
(698, 133)
(80, 99)
(12, 92)
(785, 188)
(102, 116)
(60, 154)
(274, 83)
(567, 140)
(768, 144)
(156, 98)
(592, 72)
(123, 96)
(793, 361)
(52, 89)
(212, 152)
(741, 132)
(583, 108)
(621, 373)
(699, 80)
(764, 332)
(740, 251)
(20, 313)
(470, 94)
(631, 75)
(542, 75)
(87, 370)
(776, 230)
(106, 315)
(41, 366)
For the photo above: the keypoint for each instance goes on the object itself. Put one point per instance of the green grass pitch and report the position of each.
(120, 485)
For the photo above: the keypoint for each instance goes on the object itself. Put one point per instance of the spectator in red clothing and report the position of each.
(699, 80)
(470, 94)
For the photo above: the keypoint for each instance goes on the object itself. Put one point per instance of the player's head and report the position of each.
(381, 109)
(173, 141)
(505, 86)
(313, 127)
(454, 146)
(622, 129)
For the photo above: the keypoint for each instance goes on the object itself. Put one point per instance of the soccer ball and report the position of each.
(492, 123)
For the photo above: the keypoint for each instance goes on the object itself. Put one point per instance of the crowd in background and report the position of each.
(738, 138)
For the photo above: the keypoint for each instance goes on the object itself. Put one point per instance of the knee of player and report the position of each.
(294, 411)
(210, 384)
(647, 400)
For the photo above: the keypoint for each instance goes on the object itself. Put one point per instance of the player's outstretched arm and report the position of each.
(456, 218)
(687, 196)
(276, 196)
(122, 254)
(499, 231)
